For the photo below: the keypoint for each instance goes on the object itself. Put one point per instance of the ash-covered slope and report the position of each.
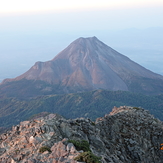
(125, 135)
(88, 64)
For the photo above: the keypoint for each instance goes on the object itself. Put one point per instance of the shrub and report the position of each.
(88, 157)
(136, 108)
(44, 148)
(93, 123)
(81, 145)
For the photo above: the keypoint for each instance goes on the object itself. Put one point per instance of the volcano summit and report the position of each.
(86, 64)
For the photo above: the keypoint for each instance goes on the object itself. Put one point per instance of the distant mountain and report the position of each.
(86, 64)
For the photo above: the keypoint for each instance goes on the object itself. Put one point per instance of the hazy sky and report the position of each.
(10, 6)
(33, 30)
(85, 14)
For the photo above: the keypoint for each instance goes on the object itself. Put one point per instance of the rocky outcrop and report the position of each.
(127, 134)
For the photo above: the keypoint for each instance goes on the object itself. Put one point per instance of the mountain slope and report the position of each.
(87, 104)
(126, 135)
(87, 64)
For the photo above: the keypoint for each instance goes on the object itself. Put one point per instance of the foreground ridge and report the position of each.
(127, 134)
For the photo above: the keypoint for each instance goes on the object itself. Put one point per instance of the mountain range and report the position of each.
(86, 79)
(86, 64)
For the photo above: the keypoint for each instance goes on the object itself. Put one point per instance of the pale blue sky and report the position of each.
(110, 14)
(10, 6)
(33, 30)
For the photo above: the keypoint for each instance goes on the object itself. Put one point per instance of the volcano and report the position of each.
(86, 64)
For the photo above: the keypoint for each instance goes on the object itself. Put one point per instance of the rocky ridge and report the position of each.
(127, 134)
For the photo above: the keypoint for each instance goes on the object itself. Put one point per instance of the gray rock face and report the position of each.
(125, 135)
(88, 64)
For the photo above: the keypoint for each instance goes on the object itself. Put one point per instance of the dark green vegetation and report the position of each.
(80, 145)
(88, 104)
(44, 148)
(87, 156)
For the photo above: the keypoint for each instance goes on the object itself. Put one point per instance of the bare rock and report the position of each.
(2, 150)
(127, 134)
